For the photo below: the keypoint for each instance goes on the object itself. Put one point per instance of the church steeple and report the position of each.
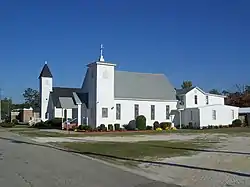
(46, 87)
(101, 58)
(45, 71)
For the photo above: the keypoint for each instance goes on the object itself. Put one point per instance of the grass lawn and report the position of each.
(21, 129)
(150, 150)
(232, 130)
(37, 133)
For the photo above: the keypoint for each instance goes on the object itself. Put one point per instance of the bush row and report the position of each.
(102, 127)
(162, 125)
(138, 124)
(235, 123)
(55, 123)
(7, 125)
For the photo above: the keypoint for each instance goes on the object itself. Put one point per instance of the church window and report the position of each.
(152, 112)
(104, 112)
(214, 114)
(136, 110)
(118, 111)
(167, 112)
(196, 99)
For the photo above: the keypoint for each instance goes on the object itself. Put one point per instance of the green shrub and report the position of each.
(95, 129)
(84, 127)
(165, 125)
(55, 123)
(7, 125)
(15, 121)
(190, 125)
(110, 127)
(117, 126)
(140, 122)
(149, 127)
(41, 125)
(156, 125)
(131, 126)
(80, 127)
(102, 127)
(236, 123)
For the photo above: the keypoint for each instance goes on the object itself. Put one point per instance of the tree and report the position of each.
(186, 84)
(31, 97)
(247, 89)
(214, 91)
(20, 106)
(6, 105)
(239, 98)
(225, 92)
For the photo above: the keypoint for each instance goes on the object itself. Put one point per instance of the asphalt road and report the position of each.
(26, 165)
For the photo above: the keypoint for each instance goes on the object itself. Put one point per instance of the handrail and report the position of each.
(70, 120)
(73, 120)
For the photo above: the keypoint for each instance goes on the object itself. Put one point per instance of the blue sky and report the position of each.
(205, 41)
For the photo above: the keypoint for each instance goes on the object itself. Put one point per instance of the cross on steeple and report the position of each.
(101, 59)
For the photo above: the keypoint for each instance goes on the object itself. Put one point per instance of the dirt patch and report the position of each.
(135, 138)
(228, 165)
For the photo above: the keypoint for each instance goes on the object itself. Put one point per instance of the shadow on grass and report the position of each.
(139, 160)
(204, 150)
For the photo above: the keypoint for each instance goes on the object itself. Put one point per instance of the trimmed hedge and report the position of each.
(15, 121)
(7, 125)
(131, 126)
(102, 127)
(156, 125)
(140, 122)
(149, 127)
(41, 125)
(236, 123)
(84, 127)
(110, 127)
(117, 126)
(55, 123)
(165, 125)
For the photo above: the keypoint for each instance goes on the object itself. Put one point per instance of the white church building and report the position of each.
(108, 96)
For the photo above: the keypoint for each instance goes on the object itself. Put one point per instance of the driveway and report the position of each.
(25, 164)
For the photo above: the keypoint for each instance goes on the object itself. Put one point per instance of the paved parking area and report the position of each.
(24, 164)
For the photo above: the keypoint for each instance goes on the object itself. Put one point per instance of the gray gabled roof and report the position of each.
(143, 86)
(45, 72)
(68, 97)
(84, 98)
(183, 91)
(67, 102)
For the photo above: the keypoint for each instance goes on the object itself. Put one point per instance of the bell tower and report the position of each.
(101, 91)
(46, 83)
